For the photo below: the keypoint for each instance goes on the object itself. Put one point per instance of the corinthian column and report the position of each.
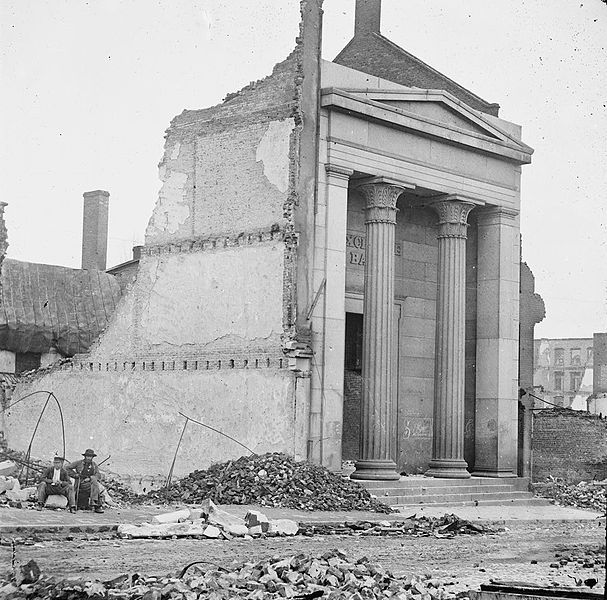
(449, 367)
(377, 418)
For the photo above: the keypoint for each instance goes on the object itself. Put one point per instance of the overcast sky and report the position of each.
(88, 88)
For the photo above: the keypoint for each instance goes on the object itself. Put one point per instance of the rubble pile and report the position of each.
(270, 480)
(447, 526)
(209, 521)
(332, 576)
(11, 491)
(583, 495)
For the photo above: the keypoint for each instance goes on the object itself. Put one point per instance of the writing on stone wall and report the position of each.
(355, 249)
(417, 427)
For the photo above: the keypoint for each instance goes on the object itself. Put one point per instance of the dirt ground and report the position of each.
(464, 560)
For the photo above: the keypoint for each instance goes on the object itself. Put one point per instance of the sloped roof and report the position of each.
(374, 54)
(42, 306)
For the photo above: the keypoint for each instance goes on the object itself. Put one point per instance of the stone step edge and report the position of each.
(448, 498)
(396, 491)
(467, 503)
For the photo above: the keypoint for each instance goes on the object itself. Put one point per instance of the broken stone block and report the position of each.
(7, 483)
(256, 530)
(56, 501)
(7, 468)
(172, 517)
(219, 517)
(237, 530)
(210, 531)
(21, 495)
(283, 527)
(254, 518)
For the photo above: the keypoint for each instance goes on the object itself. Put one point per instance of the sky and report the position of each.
(89, 87)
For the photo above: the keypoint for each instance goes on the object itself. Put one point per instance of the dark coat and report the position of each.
(75, 469)
(47, 476)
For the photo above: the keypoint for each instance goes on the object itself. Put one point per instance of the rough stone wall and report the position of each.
(204, 326)
(569, 444)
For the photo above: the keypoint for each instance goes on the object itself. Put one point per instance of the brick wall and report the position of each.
(568, 444)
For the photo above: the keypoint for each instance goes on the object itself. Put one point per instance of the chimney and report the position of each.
(137, 252)
(368, 17)
(94, 229)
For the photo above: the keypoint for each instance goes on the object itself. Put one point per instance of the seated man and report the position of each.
(56, 480)
(86, 475)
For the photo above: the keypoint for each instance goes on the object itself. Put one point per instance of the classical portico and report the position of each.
(407, 174)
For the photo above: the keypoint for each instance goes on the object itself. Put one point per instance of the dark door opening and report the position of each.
(352, 387)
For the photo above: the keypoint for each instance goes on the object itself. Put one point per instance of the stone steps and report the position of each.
(415, 491)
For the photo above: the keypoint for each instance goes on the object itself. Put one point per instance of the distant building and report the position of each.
(563, 371)
(49, 312)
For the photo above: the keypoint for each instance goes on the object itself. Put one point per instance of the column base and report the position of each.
(375, 470)
(494, 474)
(448, 469)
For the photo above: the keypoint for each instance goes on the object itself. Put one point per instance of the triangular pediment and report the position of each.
(441, 108)
(441, 113)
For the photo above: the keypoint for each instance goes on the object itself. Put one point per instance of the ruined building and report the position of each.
(331, 270)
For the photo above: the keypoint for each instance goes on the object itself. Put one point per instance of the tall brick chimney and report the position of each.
(94, 229)
(368, 17)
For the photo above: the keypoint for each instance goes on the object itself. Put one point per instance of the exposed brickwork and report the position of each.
(374, 54)
(569, 444)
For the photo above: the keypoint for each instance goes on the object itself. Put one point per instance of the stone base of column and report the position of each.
(494, 474)
(376, 470)
(448, 469)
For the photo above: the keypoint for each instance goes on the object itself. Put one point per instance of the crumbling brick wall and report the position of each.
(569, 444)
(203, 328)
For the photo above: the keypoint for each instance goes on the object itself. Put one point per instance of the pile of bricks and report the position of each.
(270, 480)
(582, 495)
(331, 575)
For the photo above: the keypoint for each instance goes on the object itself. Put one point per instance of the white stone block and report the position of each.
(283, 527)
(56, 501)
(172, 517)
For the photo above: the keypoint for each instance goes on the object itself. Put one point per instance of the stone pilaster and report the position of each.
(449, 371)
(497, 343)
(329, 319)
(377, 414)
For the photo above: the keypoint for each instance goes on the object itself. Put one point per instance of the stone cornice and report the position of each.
(338, 99)
(204, 244)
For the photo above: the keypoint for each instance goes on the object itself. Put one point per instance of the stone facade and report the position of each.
(319, 194)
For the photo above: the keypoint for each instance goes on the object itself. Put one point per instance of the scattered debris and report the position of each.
(300, 577)
(270, 480)
(209, 522)
(447, 526)
(583, 495)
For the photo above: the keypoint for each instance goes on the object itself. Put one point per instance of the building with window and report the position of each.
(563, 371)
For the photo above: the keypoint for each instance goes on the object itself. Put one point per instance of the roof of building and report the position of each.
(46, 306)
(372, 53)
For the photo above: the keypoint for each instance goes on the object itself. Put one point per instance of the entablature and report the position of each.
(481, 135)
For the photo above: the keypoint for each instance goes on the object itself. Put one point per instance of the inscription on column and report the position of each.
(355, 249)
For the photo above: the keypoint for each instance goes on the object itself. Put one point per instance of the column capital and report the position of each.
(452, 214)
(380, 196)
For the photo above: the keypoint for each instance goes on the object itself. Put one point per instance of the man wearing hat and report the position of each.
(86, 474)
(56, 480)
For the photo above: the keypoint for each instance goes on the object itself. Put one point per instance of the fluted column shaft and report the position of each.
(377, 414)
(449, 370)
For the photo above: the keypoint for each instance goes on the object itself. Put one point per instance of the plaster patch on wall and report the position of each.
(273, 152)
(172, 209)
(175, 151)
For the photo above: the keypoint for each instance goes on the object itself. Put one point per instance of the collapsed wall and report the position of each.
(204, 327)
